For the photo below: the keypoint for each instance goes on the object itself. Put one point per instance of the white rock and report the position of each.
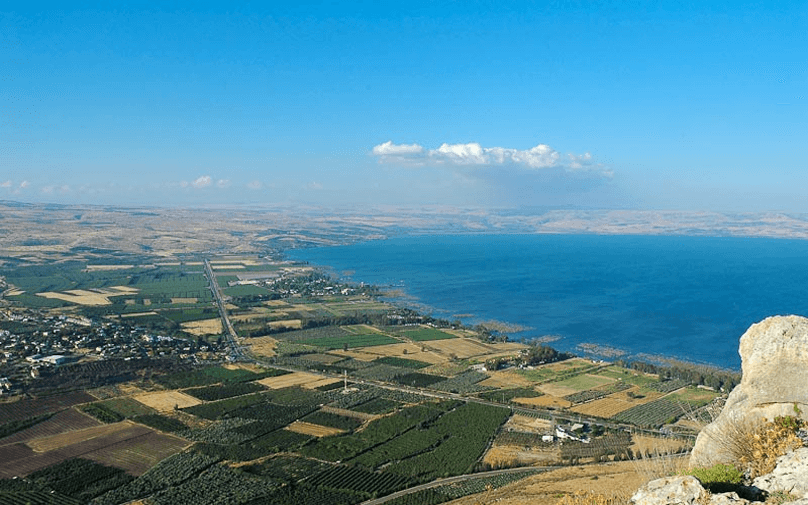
(774, 360)
(727, 499)
(790, 474)
(683, 490)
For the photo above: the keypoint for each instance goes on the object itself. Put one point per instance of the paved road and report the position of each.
(452, 480)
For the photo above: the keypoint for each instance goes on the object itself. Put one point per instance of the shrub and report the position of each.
(718, 478)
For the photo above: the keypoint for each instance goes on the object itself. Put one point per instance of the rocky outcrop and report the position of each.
(774, 361)
(790, 475)
(683, 490)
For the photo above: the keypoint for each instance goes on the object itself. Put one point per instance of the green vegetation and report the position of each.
(718, 478)
(80, 479)
(126, 407)
(12, 427)
(244, 290)
(102, 413)
(332, 420)
(213, 375)
(160, 422)
(507, 395)
(377, 406)
(220, 392)
(402, 362)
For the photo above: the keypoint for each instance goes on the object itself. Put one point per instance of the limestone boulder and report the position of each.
(774, 362)
(682, 490)
(790, 475)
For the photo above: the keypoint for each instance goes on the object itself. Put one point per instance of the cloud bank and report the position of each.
(473, 154)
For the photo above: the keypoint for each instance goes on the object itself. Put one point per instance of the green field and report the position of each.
(584, 381)
(244, 290)
(426, 334)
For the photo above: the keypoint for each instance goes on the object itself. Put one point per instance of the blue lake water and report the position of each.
(684, 297)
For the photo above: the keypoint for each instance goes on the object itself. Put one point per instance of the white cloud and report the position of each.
(314, 186)
(390, 149)
(6, 184)
(255, 185)
(24, 184)
(202, 182)
(223, 183)
(473, 154)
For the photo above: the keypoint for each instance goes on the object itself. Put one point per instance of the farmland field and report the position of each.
(460, 347)
(584, 381)
(426, 334)
(203, 327)
(165, 401)
(62, 422)
(264, 346)
(366, 340)
(129, 446)
(292, 379)
(23, 409)
(315, 430)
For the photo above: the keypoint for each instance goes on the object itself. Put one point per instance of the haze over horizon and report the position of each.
(648, 105)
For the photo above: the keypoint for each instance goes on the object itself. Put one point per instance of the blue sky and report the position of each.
(651, 105)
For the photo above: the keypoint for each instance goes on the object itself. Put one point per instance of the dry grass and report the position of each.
(288, 380)
(590, 498)
(264, 346)
(314, 430)
(165, 401)
(95, 297)
(755, 446)
(61, 440)
(660, 462)
(203, 327)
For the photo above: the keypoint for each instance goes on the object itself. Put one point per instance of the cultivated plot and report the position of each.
(167, 401)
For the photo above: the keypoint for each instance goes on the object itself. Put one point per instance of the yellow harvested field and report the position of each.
(659, 445)
(303, 307)
(292, 379)
(203, 327)
(603, 407)
(103, 268)
(321, 382)
(613, 481)
(95, 297)
(51, 443)
(557, 390)
(227, 267)
(287, 323)
(138, 314)
(509, 455)
(461, 347)
(519, 422)
(14, 292)
(616, 402)
(544, 401)
(183, 300)
(165, 401)
(505, 379)
(314, 430)
(276, 303)
(264, 346)
(403, 350)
